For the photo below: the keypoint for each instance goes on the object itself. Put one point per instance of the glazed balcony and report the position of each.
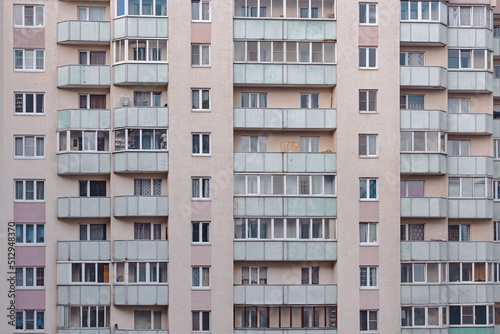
(278, 295)
(423, 77)
(141, 74)
(280, 206)
(285, 162)
(140, 162)
(151, 117)
(423, 34)
(140, 206)
(285, 74)
(84, 32)
(470, 165)
(476, 38)
(325, 250)
(140, 294)
(423, 163)
(309, 119)
(433, 120)
(83, 76)
(424, 251)
(464, 81)
(140, 27)
(424, 294)
(140, 250)
(470, 208)
(83, 207)
(83, 250)
(424, 207)
(83, 294)
(470, 124)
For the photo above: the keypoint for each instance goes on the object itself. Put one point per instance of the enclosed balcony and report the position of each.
(140, 162)
(285, 162)
(470, 165)
(140, 250)
(424, 251)
(423, 163)
(140, 206)
(423, 33)
(284, 29)
(434, 120)
(83, 76)
(276, 295)
(140, 294)
(83, 294)
(470, 124)
(141, 74)
(310, 119)
(285, 206)
(423, 77)
(470, 81)
(140, 27)
(140, 117)
(83, 207)
(470, 208)
(84, 32)
(83, 250)
(283, 74)
(424, 207)
(476, 38)
(325, 250)
(425, 294)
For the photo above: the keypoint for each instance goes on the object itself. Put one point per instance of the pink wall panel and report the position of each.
(29, 38)
(368, 35)
(30, 299)
(201, 32)
(369, 299)
(201, 211)
(368, 211)
(29, 212)
(201, 300)
(30, 256)
(201, 255)
(368, 255)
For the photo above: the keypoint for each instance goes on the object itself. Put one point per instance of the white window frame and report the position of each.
(128, 267)
(152, 230)
(87, 12)
(368, 183)
(257, 96)
(369, 327)
(90, 308)
(87, 183)
(23, 96)
(496, 230)
(30, 330)
(487, 273)
(419, 12)
(83, 132)
(294, 193)
(261, 275)
(309, 144)
(309, 271)
(488, 60)
(460, 143)
(364, 95)
(327, 230)
(82, 272)
(201, 48)
(200, 92)
(162, 148)
(407, 231)
(88, 57)
(126, 5)
(366, 50)
(24, 67)
(369, 277)
(36, 24)
(406, 103)
(411, 310)
(201, 226)
(23, 284)
(405, 184)
(487, 187)
(129, 50)
(200, 11)
(309, 101)
(200, 314)
(461, 236)
(326, 9)
(35, 147)
(441, 141)
(152, 314)
(365, 139)
(496, 272)
(88, 233)
(489, 316)
(486, 15)
(442, 273)
(366, 235)
(151, 184)
(152, 98)
(200, 285)
(87, 100)
(406, 56)
(461, 103)
(261, 144)
(35, 190)
(36, 241)
(202, 181)
(198, 136)
(366, 20)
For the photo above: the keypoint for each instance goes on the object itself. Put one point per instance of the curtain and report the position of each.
(28, 55)
(453, 16)
(97, 101)
(206, 188)
(142, 320)
(465, 16)
(478, 17)
(40, 233)
(30, 233)
(97, 232)
(97, 14)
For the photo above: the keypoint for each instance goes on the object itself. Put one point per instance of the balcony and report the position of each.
(424, 251)
(496, 46)
(83, 76)
(147, 294)
(140, 27)
(433, 120)
(464, 81)
(68, 119)
(423, 33)
(479, 293)
(83, 250)
(285, 162)
(476, 38)
(285, 331)
(140, 206)
(140, 331)
(290, 75)
(470, 208)
(151, 117)
(424, 207)
(310, 119)
(496, 169)
(470, 165)
(83, 294)
(83, 163)
(471, 124)
(285, 29)
(279, 206)
(423, 163)
(140, 250)
(471, 251)
(423, 77)
(413, 294)
(140, 162)
(83, 330)
(325, 250)
(141, 74)
(83, 207)
(84, 32)
(278, 295)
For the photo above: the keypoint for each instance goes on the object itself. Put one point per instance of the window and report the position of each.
(200, 277)
(30, 320)
(30, 233)
(88, 317)
(471, 315)
(254, 100)
(147, 320)
(200, 99)
(141, 139)
(422, 316)
(294, 9)
(368, 146)
(496, 230)
(470, 272)
(469, 16)
(284, 184)
(92, 101)
(469, 187)
(91, 13)
(28, 16)
(470, 59)
(90, 272)
(30, 277)
(92, 188)
(200, 144)
(147, 231)
(420, 10)
(496, 71)
(253, 275)
(83, 140)
(141, 50)
(309, 275)
(367, 58)
(367, 13)
(200, 232)
(459, 106)
(423, 272)
(201, 321)
(368, 321)
(411, 59)
(92, 57)
(141, 272)
(458, 232)
(368, 189)
(200, 188)
(147, 187)
(368, 233)
(412, 188)
(253, 143)
(496, 148)
(200, 54)
(29, 146)
(289, 229)
(412, 102)
(200, 10)
(423, 141)
(368, 277)
(309, 144)
(141, 7)
(309, 100)
(458, 147)
(29, 60)
(496, 31)
(147, 99)
(29, 103)
(367, 100)
(412, 232)
(29, 190)
(92, 232)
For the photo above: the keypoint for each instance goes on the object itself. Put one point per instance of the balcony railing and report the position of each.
(140, 162)
(473, 124)
(472, 251)
(423, 33)
(140, 27)
(325, 250)
(83, 330)
(436, 120)
(273, 295)
(425, 77)
(140, 206)
(423, 163)
(278, 74)
(425, 294)
(145, 294)
(83, 250)
(83, 32)
(140, 250)
(470, 165)
(68, 119)
(278, 206)
(140, 74)
(285, 331)
(285, 162)
(424, 251)
(152, 117)
(470, 81)
(424, 207)
(310, 119)
(83, 76)
(83, 163)
(83, 294)
(83, 207)
(140, 331)
(470, 208)
(476, 38)
(496, 87)
(496, 46)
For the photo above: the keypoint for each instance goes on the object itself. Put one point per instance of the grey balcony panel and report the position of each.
(425, 330)
(424, 207)
(83, 163)
(285, 162)
(285, 206)
(83, 330)
(83, 207)
(470, 208)
(496, 46)
(314, 119)
(470, 165)
(497, 329)
(425, 294)
(424, 251)
(150, 294)
(423, 163)
(96, 119)
(474, 124)
(325, 250)
(83, 32)
(496, 88)
(471, 251)
(140, 331)
(293, 74)
(142, 27)
(140, 206)
(141, 73)
(496, 127)
(276, 295)
(470, 293)
(285, 331)
(153, 117)
(83, 250)
(82, 76)
(83, 295)
(134, 162)
(427, 77)
(470, 81)
(285, 29)
(140, 250)
(480, 38)
(436, 120)
(423, 33)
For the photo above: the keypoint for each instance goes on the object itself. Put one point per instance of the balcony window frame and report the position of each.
(160, 269)
(408, 269)
(462, 146)
(310, 275)
(154, 227)
(160, 134)
(86, 11)
(148, 52)
(90, 232)
(84, 145)
(254, 144)
(411, 311)
(249, 11)
(254, 100)
(155, 187)
(470, 316)
(465, 266)
(89, 310)
(486, 15)
(471, 60)
(198, 102)
(248, 273)
(309, 100)
(22, 325)
(487, 188)
(406, 234)
(405, 58)
(366, 234)
(404, 101)
(125, 10)
(405, 188)
(463, 232)
(441, 141)
(420, 11)
(82, 277)
(254, 185)
(86, 101)
(367, 18)
(366, 190)
(202, 192)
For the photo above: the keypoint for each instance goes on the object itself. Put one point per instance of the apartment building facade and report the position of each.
(244, 166)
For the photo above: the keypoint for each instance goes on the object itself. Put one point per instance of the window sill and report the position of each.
(29, 114)
(368, 156)
(30, 244)
(368, 199)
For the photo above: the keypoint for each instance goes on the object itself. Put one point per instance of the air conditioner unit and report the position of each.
(124, 100)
